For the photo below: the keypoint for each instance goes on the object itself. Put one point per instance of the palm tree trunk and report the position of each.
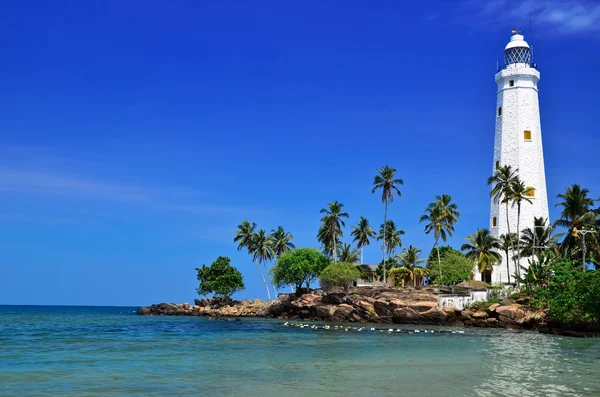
(438, 255)
(362, 254)
(519, 239)
(507, 266)
(334, 248)
(512, 243)
(384, 230)
(270, 281)
(263, 278)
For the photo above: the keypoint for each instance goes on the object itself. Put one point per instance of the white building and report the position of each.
(518, 143)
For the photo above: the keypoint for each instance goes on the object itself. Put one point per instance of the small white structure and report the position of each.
(462, 301)
(518, 143)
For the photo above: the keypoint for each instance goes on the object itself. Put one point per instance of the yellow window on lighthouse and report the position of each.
(527, 135)
(530, 191)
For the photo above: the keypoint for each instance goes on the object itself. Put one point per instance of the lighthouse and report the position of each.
(518, 143)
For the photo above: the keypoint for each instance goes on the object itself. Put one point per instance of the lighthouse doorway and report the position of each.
(486, 276)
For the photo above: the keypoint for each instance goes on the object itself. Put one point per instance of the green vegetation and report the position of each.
(331, 228)
(349, 254)
(299, 267)
(482, 249)
(220, 278)
(363, 232)
(456, 268)
(339, 275)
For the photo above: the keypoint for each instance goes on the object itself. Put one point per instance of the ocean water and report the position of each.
(110, 351)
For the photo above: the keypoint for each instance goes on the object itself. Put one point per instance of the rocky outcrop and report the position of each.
(362, 305)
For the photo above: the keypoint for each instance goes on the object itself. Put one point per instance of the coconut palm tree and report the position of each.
(349, 254)
(362, 234)
(409, 258)
(400, 275)
(441, 216)
(244, 238)
(387, 182)
(419, 273)
(331, 227)
(282, 241)
(519, 194)
(506, 242)
(262, 249)
(576, 214)
(502, 182)
(482, 249)
(537, 237)
(391, 237)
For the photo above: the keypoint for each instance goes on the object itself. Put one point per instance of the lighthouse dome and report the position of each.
(517, 51)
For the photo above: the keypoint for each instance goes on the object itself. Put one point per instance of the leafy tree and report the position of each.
(299, 267)
(482, 249)
(281, 241)
(409, 259)
(387, 182)
(262, 249)
(384, 267)
(340, 275)
(220, 278)
(349, 254)
(537, 239)
(391, 236)
(441, 216)
(244, 238)
(456, 268)
(419, 274)
(502, 182)
(400, 275)
(519, 194)
(362, 234)
(331, 228)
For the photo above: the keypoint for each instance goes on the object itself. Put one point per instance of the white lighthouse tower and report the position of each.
(518, 143)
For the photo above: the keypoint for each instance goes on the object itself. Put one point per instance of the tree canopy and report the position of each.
(340, 275)
(220, 278)
(298, 267)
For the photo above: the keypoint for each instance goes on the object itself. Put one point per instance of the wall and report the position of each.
(460, 302)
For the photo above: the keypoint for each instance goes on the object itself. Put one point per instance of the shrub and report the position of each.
(220, 278)
(298, 267)
(340, 275)
(455, 267)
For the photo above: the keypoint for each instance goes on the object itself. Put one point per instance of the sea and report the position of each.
(111, 351)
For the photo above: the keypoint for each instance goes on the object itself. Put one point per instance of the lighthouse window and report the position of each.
(530, 191)
(527, 135)
(497, 164)
(494, 222)
(499, 111)
(511, 83)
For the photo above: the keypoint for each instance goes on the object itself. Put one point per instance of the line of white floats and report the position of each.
(368, 329)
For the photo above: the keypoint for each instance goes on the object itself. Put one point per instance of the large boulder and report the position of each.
(144, 311)
(407, 315)
(334, 298)
(324, 312)
(480, 315)
(510, 314)
(345, 312)
(382, 308)
(493, 307)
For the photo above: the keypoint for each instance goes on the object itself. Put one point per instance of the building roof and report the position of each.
(367, 268)
(516, 40)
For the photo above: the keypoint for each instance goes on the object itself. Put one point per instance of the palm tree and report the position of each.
(419, 273)
(331, 228)
(262, 248)
(536, 237)
(244, 238)
(577, 214)
(409, 258)
(400, 274)
(282, 241)
(390, 236)
(441, 215)
(506, 242)
(362, 232)
(519, 194)
(349, 254)
(388, 183)
(502, 182)
(482, 248)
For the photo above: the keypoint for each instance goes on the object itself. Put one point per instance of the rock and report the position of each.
(480, 314)
(510, 314)
(198, 302)
(505, 302)
(343, 313)
(522, 301)
(324, 312)
(491, 320)
(382, 308)
(310, 299)
(366, 306)
(144, 311)
(335, 298)
(407, 315)
(186, 305)
(493, 307)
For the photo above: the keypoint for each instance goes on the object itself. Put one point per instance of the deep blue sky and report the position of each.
(136, 135)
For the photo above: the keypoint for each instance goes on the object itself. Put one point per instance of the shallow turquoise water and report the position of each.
(83, 351)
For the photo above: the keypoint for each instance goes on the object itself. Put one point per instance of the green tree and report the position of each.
(456, 267)
(244, 238)
(339, 275)
(299, 267)
(281, 240)
(537, 239)
(519, 195)
(262, 249)
(362, 234)
(331, 227)
(507, 241)
(409, 258)
(441, 216)
(220, 278)
(387, 182)
(482, 249)
(349, 254)
(391, 236)
(502, 182)
(400, 275)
